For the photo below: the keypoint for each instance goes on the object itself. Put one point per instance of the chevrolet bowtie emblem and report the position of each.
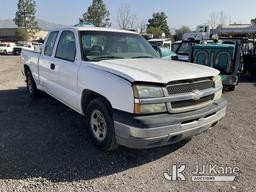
(196, 95)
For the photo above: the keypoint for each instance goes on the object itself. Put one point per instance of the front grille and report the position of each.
(190, 103)
(190, 87)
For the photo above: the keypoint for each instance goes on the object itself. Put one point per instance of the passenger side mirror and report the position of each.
(165, 53)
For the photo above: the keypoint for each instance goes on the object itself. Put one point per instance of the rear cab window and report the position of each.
(66, 49)
(50, 43)
(167, 45)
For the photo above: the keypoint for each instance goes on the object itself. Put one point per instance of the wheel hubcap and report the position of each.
(98, 125)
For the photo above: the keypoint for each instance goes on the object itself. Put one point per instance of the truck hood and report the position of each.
(154, 70)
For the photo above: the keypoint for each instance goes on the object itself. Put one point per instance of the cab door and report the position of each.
(47, 74)
(67, 64)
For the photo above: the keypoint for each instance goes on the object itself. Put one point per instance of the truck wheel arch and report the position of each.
(88, 96)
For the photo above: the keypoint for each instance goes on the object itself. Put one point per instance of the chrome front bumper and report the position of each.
(141, 137)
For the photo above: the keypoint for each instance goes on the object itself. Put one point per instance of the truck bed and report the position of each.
(30, 58)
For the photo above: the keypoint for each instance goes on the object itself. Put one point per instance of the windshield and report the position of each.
(184, 48)
(97, 46)
(175, 46)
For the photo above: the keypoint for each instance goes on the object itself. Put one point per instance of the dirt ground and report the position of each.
(44, 147)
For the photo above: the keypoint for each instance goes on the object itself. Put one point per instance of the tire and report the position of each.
(31, 85)
(5, 52)
(231, 88)
(101, 125)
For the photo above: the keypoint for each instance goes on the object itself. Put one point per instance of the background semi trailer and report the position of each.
(225, 56)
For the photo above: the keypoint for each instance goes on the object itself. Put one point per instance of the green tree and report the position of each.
(97, 14)
(25, 16)
(156, 31)
(159, 21)
(22, 34)
(181, 31)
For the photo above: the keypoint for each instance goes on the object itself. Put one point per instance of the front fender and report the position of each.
(115, 89)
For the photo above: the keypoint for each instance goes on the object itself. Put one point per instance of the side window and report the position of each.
(184, 48)
(167, 45)
(50, 43)
(66, 49)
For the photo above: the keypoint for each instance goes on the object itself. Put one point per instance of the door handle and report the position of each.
(52, 66)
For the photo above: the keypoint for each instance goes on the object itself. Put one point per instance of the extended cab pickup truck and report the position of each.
(128, 95)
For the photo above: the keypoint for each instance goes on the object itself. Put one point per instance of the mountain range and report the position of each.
(45, 25)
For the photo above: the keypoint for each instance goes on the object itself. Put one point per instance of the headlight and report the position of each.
(149, 108)
(141, 91)
(218, 81)
(147, 92)
(218, 85)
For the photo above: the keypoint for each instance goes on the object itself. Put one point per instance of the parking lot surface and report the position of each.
(44, 147)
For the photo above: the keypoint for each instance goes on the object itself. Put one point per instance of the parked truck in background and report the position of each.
(6, 48)
(165, 43)
(164, 48)
(224, 56)
(22, 45)
(202, 32)
(128, 95)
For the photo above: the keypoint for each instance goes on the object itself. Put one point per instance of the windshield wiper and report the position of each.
(106, 57)
(142, 56)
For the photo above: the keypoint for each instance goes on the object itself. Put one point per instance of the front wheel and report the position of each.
(101, 125)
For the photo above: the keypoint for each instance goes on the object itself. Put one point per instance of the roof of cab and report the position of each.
(92, 28)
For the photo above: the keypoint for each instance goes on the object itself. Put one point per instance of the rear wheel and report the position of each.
(31, 85)
(101, 125)
(5, 52)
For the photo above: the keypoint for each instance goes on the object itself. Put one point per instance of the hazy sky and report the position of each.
(179, 12)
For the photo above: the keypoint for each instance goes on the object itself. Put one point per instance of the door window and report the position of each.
(66, 49)
(167, 45)
(184, 48)
(50, 43)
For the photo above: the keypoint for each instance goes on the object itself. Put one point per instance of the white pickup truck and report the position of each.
(128, 95)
